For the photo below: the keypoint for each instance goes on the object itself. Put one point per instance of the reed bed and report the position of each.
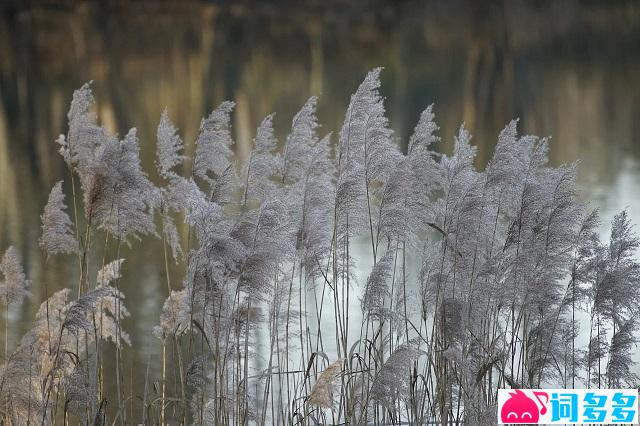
(480, 279)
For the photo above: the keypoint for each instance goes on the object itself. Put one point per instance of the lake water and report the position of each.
(567, 69)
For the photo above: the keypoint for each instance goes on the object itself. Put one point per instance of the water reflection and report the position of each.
(567, 69)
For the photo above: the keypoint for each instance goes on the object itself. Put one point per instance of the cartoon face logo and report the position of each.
(519, 408)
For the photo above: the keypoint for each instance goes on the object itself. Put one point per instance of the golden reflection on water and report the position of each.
(566, 69)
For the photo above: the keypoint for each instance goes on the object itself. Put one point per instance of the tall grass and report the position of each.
(479, 278)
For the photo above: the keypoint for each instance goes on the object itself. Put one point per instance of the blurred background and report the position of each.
(568, 69)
